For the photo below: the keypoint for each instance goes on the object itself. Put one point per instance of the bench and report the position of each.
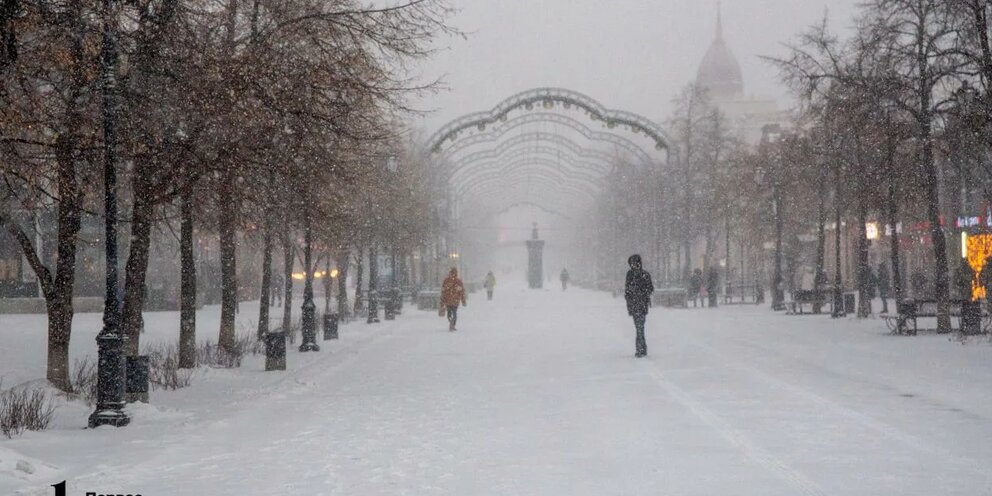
(910, 311)
(670, 298)
(802, 297)
(740, 294)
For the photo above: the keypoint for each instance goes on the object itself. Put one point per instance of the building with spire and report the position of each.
(721, 74)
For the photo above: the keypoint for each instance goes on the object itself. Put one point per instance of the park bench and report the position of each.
(908, 312)
(670, 298)
(740, 294)
(803, 297)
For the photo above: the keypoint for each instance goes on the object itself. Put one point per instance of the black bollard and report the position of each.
(136, 371)
(275, 351)
(330, 326)
(308, 326)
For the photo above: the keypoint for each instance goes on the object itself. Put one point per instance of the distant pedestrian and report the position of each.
(695, 288)
(637, 292)
(564, 279)
(712, 283)
(452, 294)
(490, 285)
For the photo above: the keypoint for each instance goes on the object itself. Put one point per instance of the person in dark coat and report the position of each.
(696, 286)
(884, 286)
(712, 283)
(564, 277)
(637, 292)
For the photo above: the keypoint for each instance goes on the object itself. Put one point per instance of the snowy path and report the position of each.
(538, 393)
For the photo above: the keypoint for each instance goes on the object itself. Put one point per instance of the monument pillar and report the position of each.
(535, 260)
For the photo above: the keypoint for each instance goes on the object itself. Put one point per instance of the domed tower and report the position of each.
(720, 72)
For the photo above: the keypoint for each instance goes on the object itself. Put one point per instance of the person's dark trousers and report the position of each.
(489, 294)
(885, 305)
(453, 315)
(640, 344)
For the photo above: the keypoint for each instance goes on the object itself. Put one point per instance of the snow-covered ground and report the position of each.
(538, 393)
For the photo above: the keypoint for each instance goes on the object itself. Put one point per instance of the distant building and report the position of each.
(720, 73)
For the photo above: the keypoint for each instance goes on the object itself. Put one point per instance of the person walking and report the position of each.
(490, 284)
(452, 294)
(884, 286)
(637, 292)
(696, 287)
(564, 279)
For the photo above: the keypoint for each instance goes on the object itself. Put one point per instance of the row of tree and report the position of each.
(236, 119)
(894, 121)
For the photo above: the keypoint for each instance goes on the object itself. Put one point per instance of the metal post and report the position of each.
(778, 297)
(308, 315)
(110, 342)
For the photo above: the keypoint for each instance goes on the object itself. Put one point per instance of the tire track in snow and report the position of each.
(754, 452)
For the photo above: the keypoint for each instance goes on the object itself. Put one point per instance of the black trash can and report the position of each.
(330, 326)
(136, 384)
(275, 351)
(971, 318)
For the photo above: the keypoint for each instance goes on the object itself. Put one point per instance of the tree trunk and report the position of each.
(936, 232)
(287, 268)
(187, 283)
(228, 263)
(136, 269)
(820, 274)
(266, 290)
(893, 212)
(59, 330)
(343, 259)
(328, 284)
(359, 306)
(864, 271)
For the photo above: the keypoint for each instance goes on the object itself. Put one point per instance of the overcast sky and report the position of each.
(628, 54)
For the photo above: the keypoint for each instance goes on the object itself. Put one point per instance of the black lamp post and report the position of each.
(110, 372)
(308, 315)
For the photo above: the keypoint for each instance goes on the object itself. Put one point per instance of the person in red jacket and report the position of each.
(452, 294)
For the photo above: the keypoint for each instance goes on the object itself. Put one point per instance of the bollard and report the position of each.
(275, 351)
(330, 326)
(136, 383)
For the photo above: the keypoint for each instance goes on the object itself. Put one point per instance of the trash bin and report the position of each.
(330, 326)
(971, 318)
(275, 351)
(136, 379)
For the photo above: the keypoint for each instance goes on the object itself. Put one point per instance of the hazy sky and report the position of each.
(628, 54)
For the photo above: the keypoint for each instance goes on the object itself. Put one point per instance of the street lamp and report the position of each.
(110, 373)
(308, 315)
(391, 166)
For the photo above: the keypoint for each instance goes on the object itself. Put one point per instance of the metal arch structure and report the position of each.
(547, 169)
(548, 98)
(546, 156)
(562, 191)
(511, 193)
(611, 138)
(529, 143)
